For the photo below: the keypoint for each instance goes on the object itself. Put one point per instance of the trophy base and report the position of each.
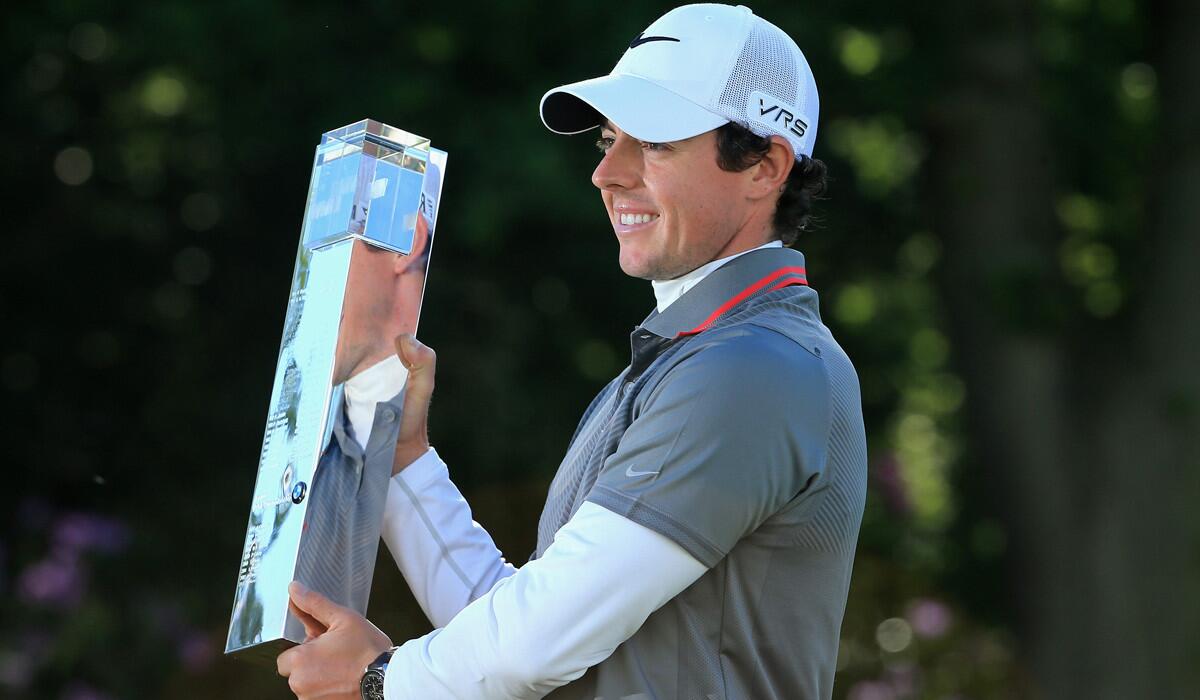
(263, 654)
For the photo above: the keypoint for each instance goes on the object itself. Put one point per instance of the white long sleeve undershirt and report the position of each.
(447, 559)
(667, 291)
(517, 633)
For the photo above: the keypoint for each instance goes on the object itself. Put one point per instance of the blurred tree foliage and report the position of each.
(1006, 253)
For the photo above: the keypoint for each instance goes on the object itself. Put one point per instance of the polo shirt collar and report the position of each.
(757, 272)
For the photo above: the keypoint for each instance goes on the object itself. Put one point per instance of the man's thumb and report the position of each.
(321, 609)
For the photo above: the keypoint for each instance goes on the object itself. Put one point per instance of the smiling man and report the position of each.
(698, 538)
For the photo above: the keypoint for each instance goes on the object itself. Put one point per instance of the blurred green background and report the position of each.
(1007, 252)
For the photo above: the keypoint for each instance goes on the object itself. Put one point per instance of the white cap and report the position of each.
(694, 69)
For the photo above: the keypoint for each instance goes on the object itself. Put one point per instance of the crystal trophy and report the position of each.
(358, 282)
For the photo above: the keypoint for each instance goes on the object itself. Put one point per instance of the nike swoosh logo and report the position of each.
(642, 39)
(630, 471)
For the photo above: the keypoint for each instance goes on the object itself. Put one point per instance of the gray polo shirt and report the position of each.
(737, 432)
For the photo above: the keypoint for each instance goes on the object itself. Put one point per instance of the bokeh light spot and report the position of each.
(164, 95)
(89, 41)
(924, 457)
(1137, 88)
(855, 305)
(860, 51)
(73, 165)
(929, 348)
(929, 618)
(1138, 81)
(919, 254)
(893, 635)
(1088, 263)
(1079, 213)
(883, 153)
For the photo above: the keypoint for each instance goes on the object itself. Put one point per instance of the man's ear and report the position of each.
(769, 174)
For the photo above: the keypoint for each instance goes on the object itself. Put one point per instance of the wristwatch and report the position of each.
(371, 685)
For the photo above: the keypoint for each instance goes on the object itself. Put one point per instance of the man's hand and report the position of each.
(341, 643)
(421, 362)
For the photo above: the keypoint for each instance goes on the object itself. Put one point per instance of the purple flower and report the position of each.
(902, 676)
(889, 483)
(16, 669)
(929, 618)
(82, 532)
(196, 651)
(81, 691)
(55, 580)
(870, 690)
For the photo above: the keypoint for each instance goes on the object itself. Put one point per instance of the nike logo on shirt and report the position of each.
(630, 471)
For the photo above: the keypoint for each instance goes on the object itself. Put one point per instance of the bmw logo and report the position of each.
(298, 492)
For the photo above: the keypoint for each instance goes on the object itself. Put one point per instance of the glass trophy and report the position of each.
(358, 282)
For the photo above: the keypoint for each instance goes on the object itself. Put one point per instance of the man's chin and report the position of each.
(640, 268)
(646, 270)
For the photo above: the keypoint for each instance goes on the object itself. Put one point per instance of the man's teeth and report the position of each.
(633, 219)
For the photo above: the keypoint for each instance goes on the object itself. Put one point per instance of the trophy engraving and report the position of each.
(359, 277)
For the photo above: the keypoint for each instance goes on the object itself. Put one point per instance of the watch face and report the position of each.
(372, 685)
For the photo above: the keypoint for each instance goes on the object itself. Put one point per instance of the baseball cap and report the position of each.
(694, 69)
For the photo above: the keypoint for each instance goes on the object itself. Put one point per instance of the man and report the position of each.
(698, 537)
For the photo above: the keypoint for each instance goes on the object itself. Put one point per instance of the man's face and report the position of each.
(672, 208)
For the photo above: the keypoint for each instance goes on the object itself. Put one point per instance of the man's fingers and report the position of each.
(421, 361)
(413, 438)
(287, 661)
(322, 610)
(312, 627)
(415, 355)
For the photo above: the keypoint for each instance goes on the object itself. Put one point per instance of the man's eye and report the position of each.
(651, 146)
(604, 143)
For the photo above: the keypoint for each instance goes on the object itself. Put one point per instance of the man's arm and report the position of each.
(553, 619)
(447, 559)
(534, 631)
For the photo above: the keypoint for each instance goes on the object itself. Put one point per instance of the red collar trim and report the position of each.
(783, 277)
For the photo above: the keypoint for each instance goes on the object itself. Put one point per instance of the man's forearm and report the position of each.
(554, 618)
(447, 559)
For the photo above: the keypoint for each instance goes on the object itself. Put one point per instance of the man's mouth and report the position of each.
(635, 219)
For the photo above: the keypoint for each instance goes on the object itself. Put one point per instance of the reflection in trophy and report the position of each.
(335, 405)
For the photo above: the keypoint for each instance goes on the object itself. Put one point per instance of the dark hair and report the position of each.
(738, 148)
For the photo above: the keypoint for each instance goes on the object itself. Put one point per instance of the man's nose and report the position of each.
(621, 166)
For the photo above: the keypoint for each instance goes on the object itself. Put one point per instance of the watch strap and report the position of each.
(371, 685)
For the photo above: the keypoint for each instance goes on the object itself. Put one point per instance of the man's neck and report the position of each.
(667, 291)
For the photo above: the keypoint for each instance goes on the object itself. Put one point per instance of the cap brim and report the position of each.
(640, 108)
